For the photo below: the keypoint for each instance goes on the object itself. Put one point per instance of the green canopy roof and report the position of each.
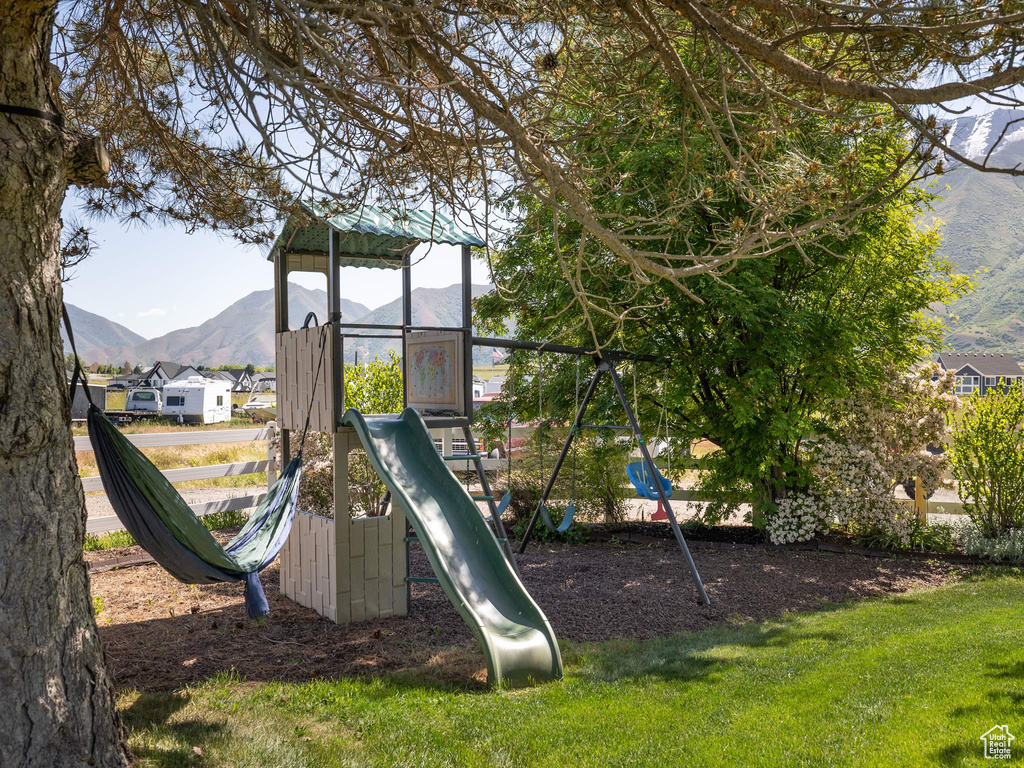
(381, 237)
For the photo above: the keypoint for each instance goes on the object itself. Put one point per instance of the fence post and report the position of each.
(920, 502)
(272, 454)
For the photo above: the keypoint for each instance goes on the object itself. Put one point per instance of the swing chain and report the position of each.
(511, 409)
(540, 413)
(575, 432)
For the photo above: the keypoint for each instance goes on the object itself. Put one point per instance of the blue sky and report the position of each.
(155, 280)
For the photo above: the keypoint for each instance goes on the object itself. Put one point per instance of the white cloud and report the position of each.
(154, 312)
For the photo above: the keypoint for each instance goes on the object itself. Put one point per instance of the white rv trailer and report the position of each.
(197, 400)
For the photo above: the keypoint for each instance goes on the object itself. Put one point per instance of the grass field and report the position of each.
(904, 681)
(487, 372)
(179, 456)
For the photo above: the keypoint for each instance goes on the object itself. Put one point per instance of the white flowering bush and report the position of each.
(799, 517)
(883, 440)
(879, 442)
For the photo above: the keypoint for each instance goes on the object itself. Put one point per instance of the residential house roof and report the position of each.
(171, 368)
(986, 364)
(227, 374)
(129, 377)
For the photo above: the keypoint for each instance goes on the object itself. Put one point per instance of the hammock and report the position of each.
(162, 523)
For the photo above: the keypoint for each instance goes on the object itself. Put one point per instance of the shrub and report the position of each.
(600, 492)
(988, 460)
(923, 537)
(1008, 547)
(799, 517)
(880, 441)
(375, 387)
(316, 489)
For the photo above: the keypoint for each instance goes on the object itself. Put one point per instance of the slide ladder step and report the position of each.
(421, 579)
(483, 498)
(462, 457)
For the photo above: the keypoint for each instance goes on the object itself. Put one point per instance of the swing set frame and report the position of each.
(605, 361)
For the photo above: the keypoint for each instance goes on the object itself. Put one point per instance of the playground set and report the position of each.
(354, 567)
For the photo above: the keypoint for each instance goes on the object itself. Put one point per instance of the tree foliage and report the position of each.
(209, 108)
(374, 387)
(988, 459)
(768, 351)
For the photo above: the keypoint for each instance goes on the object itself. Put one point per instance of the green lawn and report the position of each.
(907, 681)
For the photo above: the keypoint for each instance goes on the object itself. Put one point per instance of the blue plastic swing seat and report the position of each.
(641, 479)
(567, 518)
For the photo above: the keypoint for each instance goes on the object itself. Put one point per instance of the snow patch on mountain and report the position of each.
(976, 144)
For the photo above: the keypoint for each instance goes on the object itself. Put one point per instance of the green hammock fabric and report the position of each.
(182, 522)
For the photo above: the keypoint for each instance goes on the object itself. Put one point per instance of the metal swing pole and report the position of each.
(561, 457)
(485, 486)
(654, 474)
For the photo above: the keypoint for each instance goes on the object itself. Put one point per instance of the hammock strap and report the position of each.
(316, 378)
(78, 372)
(511, 408)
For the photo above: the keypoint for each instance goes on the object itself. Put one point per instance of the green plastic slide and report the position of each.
(518, 643)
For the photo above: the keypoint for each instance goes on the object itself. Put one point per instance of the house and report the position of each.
(494, 384)
(976, 373)
(239, 379)
(164, 371)
(479, 387)
(94, 368)
(127, 381)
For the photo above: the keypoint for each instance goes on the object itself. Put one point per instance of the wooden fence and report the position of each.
(104, 524)
(107, 523)
(449, 441)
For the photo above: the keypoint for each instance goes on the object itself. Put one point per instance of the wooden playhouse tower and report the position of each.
(355, 567)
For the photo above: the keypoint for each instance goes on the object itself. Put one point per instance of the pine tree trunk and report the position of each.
(56, 699)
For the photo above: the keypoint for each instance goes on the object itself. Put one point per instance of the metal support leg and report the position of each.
(561, 457)
(408, 573)
(654, 473)
(485, 486)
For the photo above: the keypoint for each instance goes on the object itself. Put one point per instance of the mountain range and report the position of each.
(981, 219)
(982, 226)
(244, 332)
(437, 307)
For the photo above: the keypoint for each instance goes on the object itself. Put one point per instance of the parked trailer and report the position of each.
(197, 400)
(80, 404)
(141, 403)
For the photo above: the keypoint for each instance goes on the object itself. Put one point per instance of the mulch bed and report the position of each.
(160, 634)
(635, 530)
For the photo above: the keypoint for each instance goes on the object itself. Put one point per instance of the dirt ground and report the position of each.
(160, 634)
